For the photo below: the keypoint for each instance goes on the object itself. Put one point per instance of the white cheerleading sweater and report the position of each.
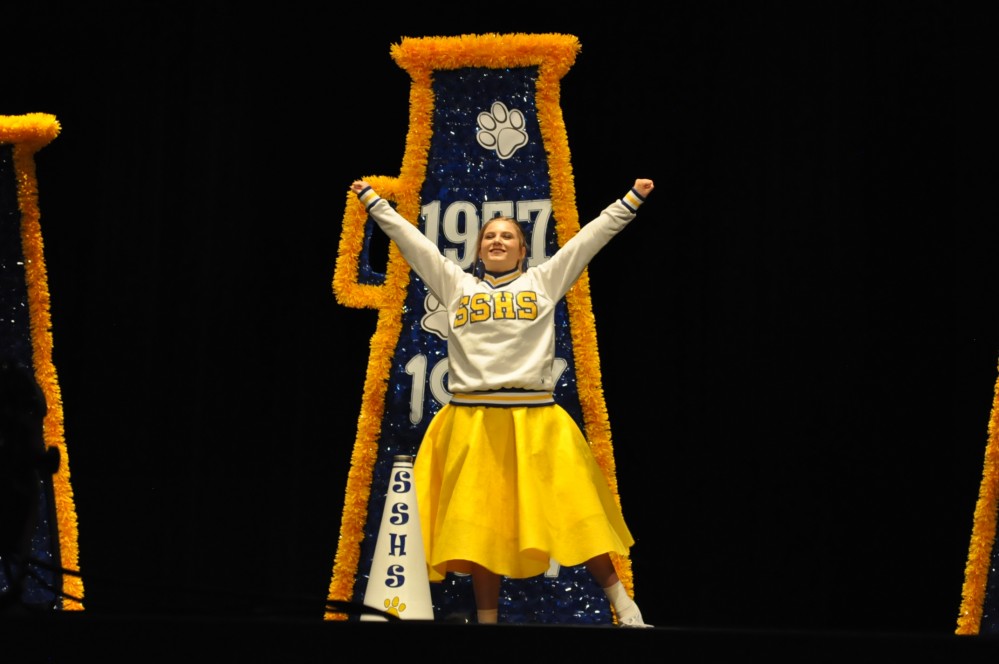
(501, 328)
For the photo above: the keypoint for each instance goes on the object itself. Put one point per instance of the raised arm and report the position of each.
(562, 269)
(422, 254)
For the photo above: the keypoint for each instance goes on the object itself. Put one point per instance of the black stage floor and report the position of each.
(65, 636)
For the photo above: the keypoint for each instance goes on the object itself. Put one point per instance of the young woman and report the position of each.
(505, 479)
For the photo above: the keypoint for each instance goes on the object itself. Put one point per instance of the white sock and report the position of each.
(488, 616)
(623, 605)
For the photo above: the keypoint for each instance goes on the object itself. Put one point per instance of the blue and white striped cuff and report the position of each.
(368, 197)
(632, 200)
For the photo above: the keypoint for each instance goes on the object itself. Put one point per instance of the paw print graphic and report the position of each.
(501, 130)
(435, 320)
(394, 606)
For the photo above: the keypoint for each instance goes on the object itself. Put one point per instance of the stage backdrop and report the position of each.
(486, 137)
(38, 527)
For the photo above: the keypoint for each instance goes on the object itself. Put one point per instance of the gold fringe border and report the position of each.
(983, 535)
(389, 298)
(553, 54)
(29, 133)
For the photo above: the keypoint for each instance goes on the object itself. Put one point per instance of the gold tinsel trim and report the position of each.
(976, 572)
(554, 54)
(28, 134)
(389, 297)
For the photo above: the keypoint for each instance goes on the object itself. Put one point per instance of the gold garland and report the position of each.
(553, 54)
(28, 134)
(388, 298)
(976, 572)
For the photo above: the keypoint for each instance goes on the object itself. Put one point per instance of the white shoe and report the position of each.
(634, 620)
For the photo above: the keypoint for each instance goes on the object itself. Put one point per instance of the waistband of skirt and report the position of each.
(503, 398)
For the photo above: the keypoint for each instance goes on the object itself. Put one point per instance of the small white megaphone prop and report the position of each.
(398, 582)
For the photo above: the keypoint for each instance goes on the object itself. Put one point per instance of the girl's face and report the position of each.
(501, 249)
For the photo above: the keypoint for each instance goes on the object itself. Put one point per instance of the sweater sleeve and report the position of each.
(420, 252)
(562, 270)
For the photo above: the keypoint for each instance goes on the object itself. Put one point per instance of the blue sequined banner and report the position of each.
(486, 157)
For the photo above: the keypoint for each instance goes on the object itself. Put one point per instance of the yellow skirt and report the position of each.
(509, 489)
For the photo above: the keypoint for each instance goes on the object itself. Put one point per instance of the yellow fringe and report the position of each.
(553, 54)
(28, 134)
(983, 535)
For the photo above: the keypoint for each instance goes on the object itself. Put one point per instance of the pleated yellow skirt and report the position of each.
(509, 489)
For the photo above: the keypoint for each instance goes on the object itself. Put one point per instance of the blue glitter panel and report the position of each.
(486, 157)
(28, 532)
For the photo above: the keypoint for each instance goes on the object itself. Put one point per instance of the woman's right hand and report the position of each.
(358, 186)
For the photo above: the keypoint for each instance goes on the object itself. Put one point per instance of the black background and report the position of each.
(798, 336)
